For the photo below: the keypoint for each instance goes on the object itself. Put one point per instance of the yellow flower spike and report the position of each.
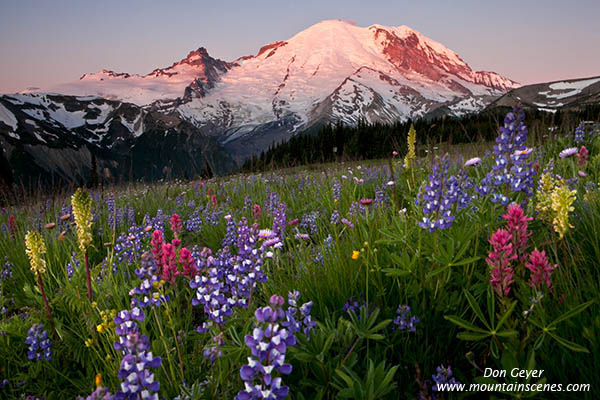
(98, 380)
(35, 249)
(82, 211)
(355, 254)
(562, 198)
(544, 197)
(100, 328)
(411, 140)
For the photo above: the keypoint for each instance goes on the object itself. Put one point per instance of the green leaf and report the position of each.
(571, 313)
(508, 333)
(491, 304)
(396, 272)
(506, 315)
(464, 324)
(472, 336)
(476, 308)
(465, 261)
(568, 344)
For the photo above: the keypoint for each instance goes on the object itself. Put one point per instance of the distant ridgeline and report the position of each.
(371, 141)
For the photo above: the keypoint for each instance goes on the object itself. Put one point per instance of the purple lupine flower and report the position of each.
(74, 262)
(101, 393)
(213, 349)
(439, 195)
(309, 222)
(268, 345)
(40, 345)
(230, 233)
(352, 304)
(337, 191)
(511, 172)
(137, 378)
(443, 376)
(404, 320)
(193, 223)
(579, 134)
(335, 217)
(294, 322)
(6, 270)
(280, 220)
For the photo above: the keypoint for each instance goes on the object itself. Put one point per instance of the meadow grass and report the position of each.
(382, 258)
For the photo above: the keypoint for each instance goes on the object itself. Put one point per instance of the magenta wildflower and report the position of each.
(157, 243)
(176, 225)
(256, 211)
(582, 156)
(366, 202)
(517, 222)
(499, 259)
(541, 269)
(293, 222)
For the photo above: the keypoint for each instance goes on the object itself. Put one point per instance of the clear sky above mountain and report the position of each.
(44, 43)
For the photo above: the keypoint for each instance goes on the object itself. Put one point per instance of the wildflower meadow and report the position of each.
(358, 280)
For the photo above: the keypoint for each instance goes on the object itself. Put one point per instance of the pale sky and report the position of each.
(48, 42)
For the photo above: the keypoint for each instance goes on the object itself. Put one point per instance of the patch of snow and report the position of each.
(8, 117)
(574, 88)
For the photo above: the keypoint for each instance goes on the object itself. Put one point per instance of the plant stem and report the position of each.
(87, 276)
(39, 280)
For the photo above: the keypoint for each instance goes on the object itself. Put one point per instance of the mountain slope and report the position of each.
(550, 96)
(52, 139)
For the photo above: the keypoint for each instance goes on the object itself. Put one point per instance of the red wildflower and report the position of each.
(499, 259)
(517, 222)
(176, 226)
(541, 269)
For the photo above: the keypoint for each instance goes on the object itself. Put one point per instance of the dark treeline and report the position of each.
(371, 141)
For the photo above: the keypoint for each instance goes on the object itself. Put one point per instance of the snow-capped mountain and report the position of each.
(550, 96)
(331, 72)
(190, 77)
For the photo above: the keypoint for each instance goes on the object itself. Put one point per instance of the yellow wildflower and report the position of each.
(98, 380)
(355, 254)
(411, 140)
(562, 198)
(544, 197)
(82, 211)
(35, 249)
(100, 328)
